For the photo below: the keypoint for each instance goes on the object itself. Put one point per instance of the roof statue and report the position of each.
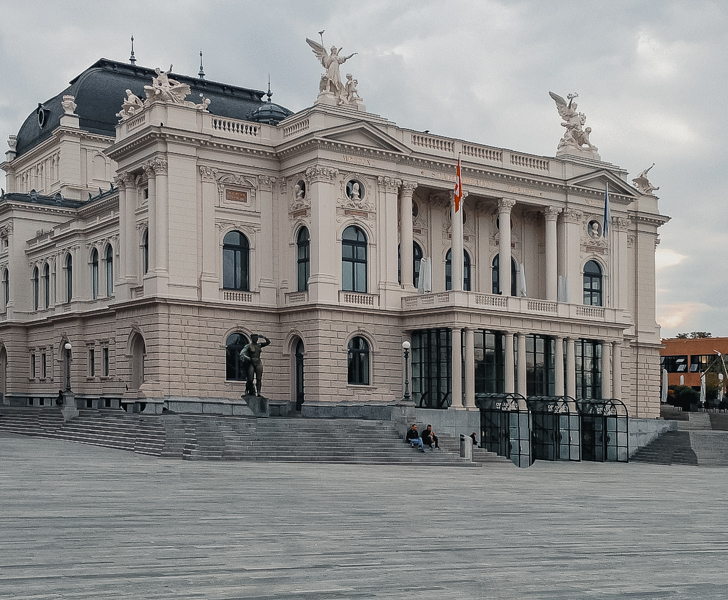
(166, 89)
(68, 104)
(576, 138)
(643, 184)
(131, 105)
(331, 87)
(163, 89)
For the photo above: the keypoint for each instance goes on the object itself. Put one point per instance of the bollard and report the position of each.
(466, 447)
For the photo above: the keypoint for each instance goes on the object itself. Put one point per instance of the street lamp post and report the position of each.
(68, 347)
(406, 348)
(69, 409)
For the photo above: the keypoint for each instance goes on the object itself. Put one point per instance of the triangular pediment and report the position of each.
(364, 135)
(596, 181)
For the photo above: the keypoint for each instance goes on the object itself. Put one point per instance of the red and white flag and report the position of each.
(458, 195)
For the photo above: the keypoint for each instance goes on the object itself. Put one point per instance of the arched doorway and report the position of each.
(138, 352)
(299, 375)
(3, 375)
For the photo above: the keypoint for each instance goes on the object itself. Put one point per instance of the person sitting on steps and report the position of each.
(413, 437)
(429, 438)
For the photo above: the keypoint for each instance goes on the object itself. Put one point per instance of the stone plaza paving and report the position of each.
(79, 521)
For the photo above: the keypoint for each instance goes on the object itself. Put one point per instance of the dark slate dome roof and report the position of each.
(101, 89)
(269, 113)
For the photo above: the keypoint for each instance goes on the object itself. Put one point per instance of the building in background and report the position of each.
(686, 359)
(154, 222)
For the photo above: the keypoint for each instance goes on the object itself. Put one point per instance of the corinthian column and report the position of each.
(405, 235)
(504, 244)
(550, 216)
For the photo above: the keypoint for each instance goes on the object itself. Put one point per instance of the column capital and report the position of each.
(505, 205)
(320, 174)
(620, 223)
(265, 182)
(208, 173)
(124, 180)
(551, 213)
(390, 184)
(571, 215)
(408, 187)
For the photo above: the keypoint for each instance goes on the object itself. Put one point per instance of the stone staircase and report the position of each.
(701, 439)
(671, 448)
(201, 437)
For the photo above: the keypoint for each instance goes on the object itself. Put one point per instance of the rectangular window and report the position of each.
(105, 358)
(432, 368)
(91, 362)
(32, 366)
(675, 364)
(489, 362)
(43, 366)
(588, 355)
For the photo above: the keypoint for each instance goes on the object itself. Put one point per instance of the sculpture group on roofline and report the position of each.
(576, 137)
(163, 89)
(166, 89)
(331, 85)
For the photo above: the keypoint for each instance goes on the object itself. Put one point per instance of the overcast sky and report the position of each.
(650, 74)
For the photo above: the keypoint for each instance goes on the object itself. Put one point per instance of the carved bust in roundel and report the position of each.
(594, 229)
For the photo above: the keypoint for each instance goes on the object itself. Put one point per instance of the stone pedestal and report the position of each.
(69, 409)
(257, 404)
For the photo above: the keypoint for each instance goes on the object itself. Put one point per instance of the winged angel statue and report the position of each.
(331, 84)
(576, 136)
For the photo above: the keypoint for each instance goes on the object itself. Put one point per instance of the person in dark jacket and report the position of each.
(413, 437)
(429, 438)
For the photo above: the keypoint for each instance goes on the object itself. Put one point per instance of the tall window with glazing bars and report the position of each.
(235, 262)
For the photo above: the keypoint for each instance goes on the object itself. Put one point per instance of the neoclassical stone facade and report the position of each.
(158, 246)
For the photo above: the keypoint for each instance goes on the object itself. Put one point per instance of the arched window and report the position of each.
(47, 285)
(95, 274)
(354, 260)
(109, 270)
(304, 259)
(496, 275)
(358, 360)
(69, 277)
(235, 262)
(6, 287)
(416, 258)
(466, 271)
(35, 288)
(592, 283)
(145, 251)
(233, 365)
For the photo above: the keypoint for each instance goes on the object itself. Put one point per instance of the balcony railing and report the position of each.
(516, 305)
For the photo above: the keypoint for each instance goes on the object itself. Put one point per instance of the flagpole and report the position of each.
(457, 243)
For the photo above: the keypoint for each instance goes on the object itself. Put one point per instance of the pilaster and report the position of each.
(406, 236)
(505, 206)
(323, 283)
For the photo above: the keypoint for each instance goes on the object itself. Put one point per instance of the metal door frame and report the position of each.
(505, 424)
(556, 425)
(612, 417)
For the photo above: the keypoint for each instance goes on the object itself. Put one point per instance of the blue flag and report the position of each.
(607, 214)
